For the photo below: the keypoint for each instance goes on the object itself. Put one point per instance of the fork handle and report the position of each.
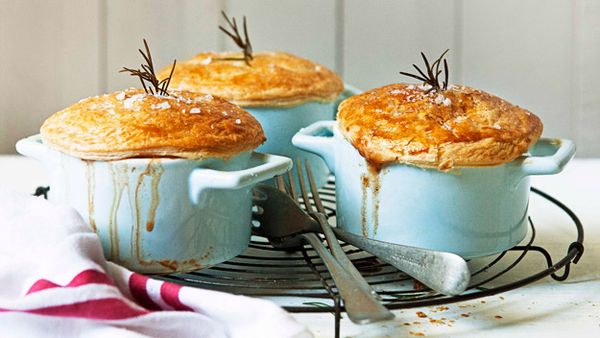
(340, 255)
(361, 306)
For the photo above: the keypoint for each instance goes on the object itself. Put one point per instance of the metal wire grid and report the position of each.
(277, 274)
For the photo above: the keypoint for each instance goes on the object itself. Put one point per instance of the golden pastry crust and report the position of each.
(273, 79)
(131, 123)
(460, 127)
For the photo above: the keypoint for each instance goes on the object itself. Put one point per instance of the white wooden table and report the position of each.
(543, 309)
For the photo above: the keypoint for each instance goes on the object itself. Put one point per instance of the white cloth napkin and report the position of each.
(55, 282)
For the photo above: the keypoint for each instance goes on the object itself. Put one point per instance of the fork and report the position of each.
(359, 299)
(321, 217)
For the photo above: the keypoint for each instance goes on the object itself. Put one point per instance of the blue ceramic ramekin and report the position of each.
(161, 215)
(281, 123)
(472, 212)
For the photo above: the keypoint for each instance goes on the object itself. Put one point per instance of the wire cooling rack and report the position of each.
(299, 281)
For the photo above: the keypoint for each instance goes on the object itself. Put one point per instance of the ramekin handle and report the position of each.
(33, 147)
(203, 179)
(548, 156)
(317, 139)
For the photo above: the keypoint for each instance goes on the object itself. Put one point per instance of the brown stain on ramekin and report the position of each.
(178, 266)
(370, 181)
(374, 174)
(364, 183)
(156, 174)
(135, 229)
(89, 171)
(120, 181)
(169, 264)
(154, 170)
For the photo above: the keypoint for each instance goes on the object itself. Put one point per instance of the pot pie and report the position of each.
(273, 79)
(457, 127)
(132, 123)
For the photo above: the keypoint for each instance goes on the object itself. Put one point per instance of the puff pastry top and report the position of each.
(459, 127)
(131, 123)
(273, 79)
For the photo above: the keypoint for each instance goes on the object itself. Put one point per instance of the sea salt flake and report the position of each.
(410, 87)
(318, 68)
(425, 87)
(447, 102)
(395, 91)
(439, 99)
(166, 97)
(238, 121)
(195, 111)
(203, 98)
(128, 103)
(206, 61)
(120, 96)
(459, 119)
(163, 105)
(225, 113)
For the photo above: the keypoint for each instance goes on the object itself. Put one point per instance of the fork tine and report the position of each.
(305, 199)
(292, 186)
(313, 188)
(280, 183)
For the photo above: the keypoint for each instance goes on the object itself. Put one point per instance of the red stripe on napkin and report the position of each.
(90, 277)
(170, 294)
(138, 286)
(41, 284)
(106, 308)
(83, 278)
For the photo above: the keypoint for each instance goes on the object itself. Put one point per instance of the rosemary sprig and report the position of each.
(147, 74)
(432, 77)
(243, 43)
